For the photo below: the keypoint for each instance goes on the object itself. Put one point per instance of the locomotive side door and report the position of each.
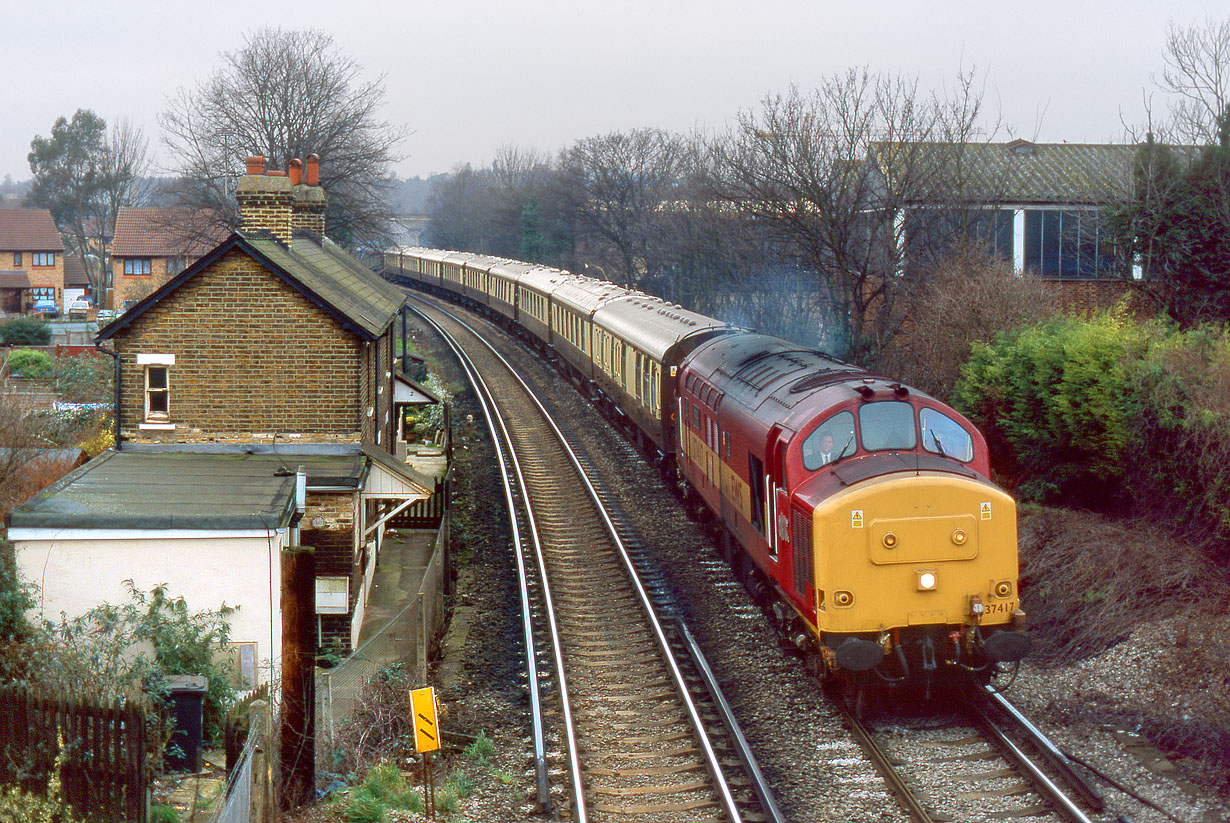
(778, 496)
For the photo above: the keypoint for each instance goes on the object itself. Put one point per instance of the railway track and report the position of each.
(960, 774)
(629, 724)
(977, 760)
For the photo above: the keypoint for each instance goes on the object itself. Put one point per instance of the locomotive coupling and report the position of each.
(858, 655)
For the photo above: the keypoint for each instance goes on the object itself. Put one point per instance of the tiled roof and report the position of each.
(74, 272)
(166, 232)
(1016, 172)
(29, 230)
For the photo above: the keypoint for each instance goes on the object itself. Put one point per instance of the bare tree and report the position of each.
(288, 94)
(1197, 75)
(830, 175)
(621, 183)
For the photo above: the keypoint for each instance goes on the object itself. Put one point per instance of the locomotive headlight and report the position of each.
(959, 537)
(926, 581)
(890, 541)
(1003, 588)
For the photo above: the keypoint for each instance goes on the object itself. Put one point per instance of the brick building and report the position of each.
(31, 260)
(269, 356)
(151, 245)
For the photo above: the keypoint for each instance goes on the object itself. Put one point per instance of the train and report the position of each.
(859, 511)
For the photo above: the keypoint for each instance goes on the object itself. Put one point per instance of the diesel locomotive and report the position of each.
(858, 510)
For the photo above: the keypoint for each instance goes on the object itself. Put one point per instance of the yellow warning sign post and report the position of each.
(426, 740)
(426, 735)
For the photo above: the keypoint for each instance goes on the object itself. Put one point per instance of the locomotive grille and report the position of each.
(800, 530)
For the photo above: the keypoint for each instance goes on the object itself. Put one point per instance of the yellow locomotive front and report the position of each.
(915, 570)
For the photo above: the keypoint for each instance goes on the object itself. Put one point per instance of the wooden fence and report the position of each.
(104, 768)
(425, 514)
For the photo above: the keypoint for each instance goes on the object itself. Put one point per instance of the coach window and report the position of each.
(832, 440)
(888, 424)
(943, 435)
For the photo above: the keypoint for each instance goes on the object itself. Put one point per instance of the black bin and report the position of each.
(187, 695)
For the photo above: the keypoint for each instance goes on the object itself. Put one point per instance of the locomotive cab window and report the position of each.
(945, 436)
(888, 424)
(832, 440)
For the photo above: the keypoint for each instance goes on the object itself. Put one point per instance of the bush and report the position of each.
(1054, 401)
(30, 364)
(25, 331)
(1181, 391)
(86, 378)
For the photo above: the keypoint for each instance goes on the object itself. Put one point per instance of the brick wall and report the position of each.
(334, 543)
(253, 358)
(136, 287)
(1084, 297)
(265, 203)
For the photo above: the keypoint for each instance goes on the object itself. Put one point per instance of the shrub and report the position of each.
(1181, 409)
(86, 378)
(31, 364)
(25, 331)
(1053, 401)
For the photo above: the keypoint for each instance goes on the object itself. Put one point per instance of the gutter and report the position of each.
(116, 416)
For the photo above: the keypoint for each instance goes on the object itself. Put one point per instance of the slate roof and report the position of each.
(326, 274)
(331, 272)
(153, 489)
(29, 230)
(1016, 172)
(166, 232)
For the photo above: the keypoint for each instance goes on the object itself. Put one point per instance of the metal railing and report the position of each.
(405, 640)
(236, 804)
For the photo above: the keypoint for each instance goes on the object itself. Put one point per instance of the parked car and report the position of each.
(78, 309)
(47, 309)
(105, 316)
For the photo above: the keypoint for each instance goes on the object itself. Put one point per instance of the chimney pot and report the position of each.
(295, 172)
(312, 171)
(256, 165)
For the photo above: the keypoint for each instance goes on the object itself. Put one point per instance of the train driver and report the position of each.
(830, 442)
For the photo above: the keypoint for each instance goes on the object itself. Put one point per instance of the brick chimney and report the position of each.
(265, 200)
(309, 199)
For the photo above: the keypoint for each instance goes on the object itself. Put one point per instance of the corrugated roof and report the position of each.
(1014, 172)
(29, 230)
(166, 232)
(168, 490)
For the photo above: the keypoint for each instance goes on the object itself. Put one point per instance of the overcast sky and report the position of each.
(468, 76)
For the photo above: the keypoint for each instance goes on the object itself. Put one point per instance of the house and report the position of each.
(261, 372)
(31, 260)
(151, 245)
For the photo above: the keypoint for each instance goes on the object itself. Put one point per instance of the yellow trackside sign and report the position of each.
(426, 734)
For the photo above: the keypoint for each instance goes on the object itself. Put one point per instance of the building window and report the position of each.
(136, 265)
(157, 386)
(157, 393)
(43, 293)
(43, 258)
(1068, 244)
(16, 258)
(174, 266)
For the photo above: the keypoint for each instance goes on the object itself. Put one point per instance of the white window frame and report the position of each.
(157, 420)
